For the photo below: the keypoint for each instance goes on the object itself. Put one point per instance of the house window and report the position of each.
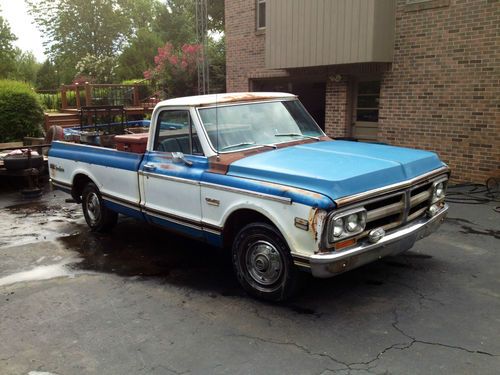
(368, 101)
(261, 14)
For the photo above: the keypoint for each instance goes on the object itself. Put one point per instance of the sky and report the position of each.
(22, 25)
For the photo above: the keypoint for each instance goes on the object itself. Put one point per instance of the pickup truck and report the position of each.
(253, 173)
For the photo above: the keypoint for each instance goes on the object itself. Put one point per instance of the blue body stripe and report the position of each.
(297, 196)
(211, 238)
(96, 155)
(198, 172)
(135, 213)
(183, 229)
(313, 174)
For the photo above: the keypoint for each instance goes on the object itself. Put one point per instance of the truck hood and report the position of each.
(336, 168)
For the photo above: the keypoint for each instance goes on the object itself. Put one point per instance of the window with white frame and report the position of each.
(261, 14)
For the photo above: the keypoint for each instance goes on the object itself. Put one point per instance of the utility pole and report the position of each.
(201, 35)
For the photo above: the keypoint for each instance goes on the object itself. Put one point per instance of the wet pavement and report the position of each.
(143, 301)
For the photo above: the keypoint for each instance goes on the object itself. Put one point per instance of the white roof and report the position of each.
(205, 100)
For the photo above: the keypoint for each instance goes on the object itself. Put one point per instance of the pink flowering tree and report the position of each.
(175, 69)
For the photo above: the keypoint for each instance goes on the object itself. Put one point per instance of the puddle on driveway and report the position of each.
(132, 249)
(35, 221)
(40, 273)
(135, 249)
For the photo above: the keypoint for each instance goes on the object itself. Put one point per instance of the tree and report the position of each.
(26, 67)
(97, 69)
(175, 69)
(138, 56)
(47, 77)
(217, 68)
(7, 50)
(176, 22)
(75, 29)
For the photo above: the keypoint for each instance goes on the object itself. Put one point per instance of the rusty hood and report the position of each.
(336, 169)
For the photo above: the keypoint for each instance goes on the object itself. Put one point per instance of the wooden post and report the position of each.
(77, 93)
(136, 96)
(64, 99)
(88, 94)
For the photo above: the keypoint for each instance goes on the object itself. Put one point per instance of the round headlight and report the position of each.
(352, 222)
(439, 190)
(338, 227)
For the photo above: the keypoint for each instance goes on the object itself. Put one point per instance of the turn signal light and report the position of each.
(344, 244)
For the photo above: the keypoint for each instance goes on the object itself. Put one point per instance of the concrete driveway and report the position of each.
(142, 301)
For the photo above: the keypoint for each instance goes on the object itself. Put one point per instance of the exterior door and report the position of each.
(170, 174)
(366, 111)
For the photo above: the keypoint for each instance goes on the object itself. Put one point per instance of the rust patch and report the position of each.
(242, 98)
(220, 164)
(316, 222)
(292, 189)
(169, 166)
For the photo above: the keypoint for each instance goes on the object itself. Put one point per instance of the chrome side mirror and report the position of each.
(178, 157)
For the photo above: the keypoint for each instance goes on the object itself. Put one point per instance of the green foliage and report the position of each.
(217, 67)
(7, 50)
(138, 56)
(76, 29)
(132, 81)
(175, 69)
(26, 67)
(176, 23)
(116, 40)
(47, 77)
(51, 101)
(97, 69)
(21, 113)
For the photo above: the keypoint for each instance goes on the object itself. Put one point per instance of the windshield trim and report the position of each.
(254, 102)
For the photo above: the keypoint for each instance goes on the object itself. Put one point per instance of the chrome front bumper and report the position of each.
(402, 239)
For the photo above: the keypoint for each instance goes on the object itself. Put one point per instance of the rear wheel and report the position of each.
(263, 263)
(98, 217)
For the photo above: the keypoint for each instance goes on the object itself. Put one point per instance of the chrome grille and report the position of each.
(394, 210)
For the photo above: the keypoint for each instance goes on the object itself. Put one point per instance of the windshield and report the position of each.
(242, 126)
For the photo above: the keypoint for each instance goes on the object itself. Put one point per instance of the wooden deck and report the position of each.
(71, 116)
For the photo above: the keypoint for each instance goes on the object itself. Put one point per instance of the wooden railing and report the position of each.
(91, 94)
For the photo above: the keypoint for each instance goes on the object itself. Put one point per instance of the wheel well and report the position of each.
(238, 220)
(79, 183)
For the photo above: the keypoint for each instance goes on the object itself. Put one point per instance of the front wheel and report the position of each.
(98, 217)
(263, 263)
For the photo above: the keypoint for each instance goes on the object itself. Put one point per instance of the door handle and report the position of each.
(149, 167)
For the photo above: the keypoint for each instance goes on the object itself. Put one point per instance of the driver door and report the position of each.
(170, 174)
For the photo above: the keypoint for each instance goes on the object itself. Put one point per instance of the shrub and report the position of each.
(21, 114)
(51, 101)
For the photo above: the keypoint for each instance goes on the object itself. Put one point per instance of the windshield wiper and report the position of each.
(247, 144)
(296, 135)
(237, 145)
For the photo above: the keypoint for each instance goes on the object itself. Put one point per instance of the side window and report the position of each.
(175, 132)
(261, 14)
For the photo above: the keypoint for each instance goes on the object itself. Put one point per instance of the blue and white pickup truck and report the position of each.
(253, 173)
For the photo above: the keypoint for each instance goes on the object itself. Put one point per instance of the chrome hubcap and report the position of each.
(93, 207)
(264, 263)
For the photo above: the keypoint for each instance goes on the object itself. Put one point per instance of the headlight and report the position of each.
(338, 227)
(355, 222)
(439, 190)
(347, 224)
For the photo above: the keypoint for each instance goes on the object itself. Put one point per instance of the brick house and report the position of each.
(419, 73)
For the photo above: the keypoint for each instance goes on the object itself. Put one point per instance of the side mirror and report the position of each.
(178, 157)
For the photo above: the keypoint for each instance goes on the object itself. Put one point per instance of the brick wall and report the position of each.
(245, 46)
(337, 107)
(443, 91)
